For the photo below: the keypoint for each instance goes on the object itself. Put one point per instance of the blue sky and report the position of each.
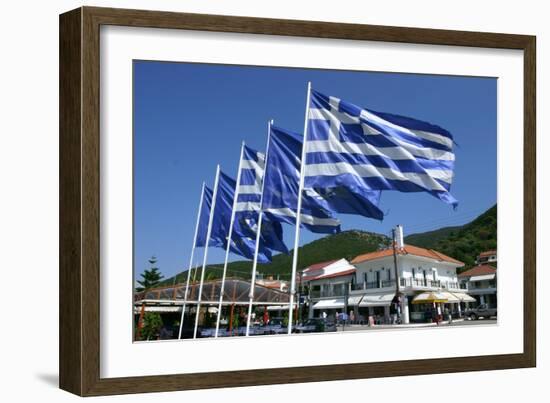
(190, 117)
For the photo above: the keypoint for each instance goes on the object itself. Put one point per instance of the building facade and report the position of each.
(481, 281)
(328, 284)
(487, 257)
(374, 285)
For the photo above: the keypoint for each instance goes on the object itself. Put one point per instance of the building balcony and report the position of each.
(482, 290)
(425, 284)
(359, 288)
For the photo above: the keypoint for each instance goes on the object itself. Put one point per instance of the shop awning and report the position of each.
(330, 304)
(451, 298)
(159, 309)
(377, 299)
(429, 297)
(483, 277)
(464, 297)
(278, 307)
(354, 300)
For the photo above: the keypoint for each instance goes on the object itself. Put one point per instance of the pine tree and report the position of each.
(150, 277)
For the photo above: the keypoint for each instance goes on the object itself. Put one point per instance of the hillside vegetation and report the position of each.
(346, 244)
(463, 242)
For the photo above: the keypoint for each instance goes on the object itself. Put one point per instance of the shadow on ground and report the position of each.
(50, 379)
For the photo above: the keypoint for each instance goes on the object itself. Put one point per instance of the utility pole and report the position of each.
(395, 262)
(299, 313)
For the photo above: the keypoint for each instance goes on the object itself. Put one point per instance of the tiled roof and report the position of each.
(407, 250)
(318, 266)
(478, 271)
(488, 253)
(331, 275)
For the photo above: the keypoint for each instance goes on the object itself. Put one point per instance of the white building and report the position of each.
(328, 284)
(371, 282)
(489, 256)
(481, 282)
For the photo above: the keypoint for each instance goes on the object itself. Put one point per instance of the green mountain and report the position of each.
(463, 242)
(346, 244)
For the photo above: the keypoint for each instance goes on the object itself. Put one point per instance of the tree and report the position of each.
(152, 323)
(150, 277)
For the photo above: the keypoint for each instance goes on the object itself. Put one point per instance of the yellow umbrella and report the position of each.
(429, 297)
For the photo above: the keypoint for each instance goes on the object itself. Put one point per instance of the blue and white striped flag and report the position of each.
(249, 193)
(362, 150)
(221, 221)
(202, 226)
(282, 176)
(250, 187)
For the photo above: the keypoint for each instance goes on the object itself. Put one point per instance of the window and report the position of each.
(413, 273)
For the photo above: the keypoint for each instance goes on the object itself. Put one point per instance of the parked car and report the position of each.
(316, 325)
(482, 311)
(188, 330)
(275, 326)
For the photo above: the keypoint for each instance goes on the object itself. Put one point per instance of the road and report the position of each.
(480, 322)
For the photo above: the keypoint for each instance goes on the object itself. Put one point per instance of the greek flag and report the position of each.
(222, 210)
(221, 221)
(202, 226)
(249, 194)
(361, 150)
(282, 176)
(250, 187)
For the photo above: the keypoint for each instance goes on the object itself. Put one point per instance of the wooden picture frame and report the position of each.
(80, 186)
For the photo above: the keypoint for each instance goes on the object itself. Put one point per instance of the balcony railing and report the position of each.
(357, 286)
(480, 285)
(420, 282)
(453, 285)
(369, 285)
(339, 290)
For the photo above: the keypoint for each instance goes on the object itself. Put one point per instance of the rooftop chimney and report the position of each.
(399, 237)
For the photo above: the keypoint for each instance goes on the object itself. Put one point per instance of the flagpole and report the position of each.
(205, 257)
(258, 235)
(191, 261)
(230, 237)
(298, 214)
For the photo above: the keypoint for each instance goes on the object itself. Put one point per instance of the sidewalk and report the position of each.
(401, 326)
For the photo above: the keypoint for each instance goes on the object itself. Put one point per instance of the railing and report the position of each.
(476, 285)
(420, 282)
(339, 291)
(372, 284)
(413, 282)
(357, 286)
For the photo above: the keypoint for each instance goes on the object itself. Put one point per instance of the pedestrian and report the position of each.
(448, 315)
(439, 314)
(352, 316)
(434, 315)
